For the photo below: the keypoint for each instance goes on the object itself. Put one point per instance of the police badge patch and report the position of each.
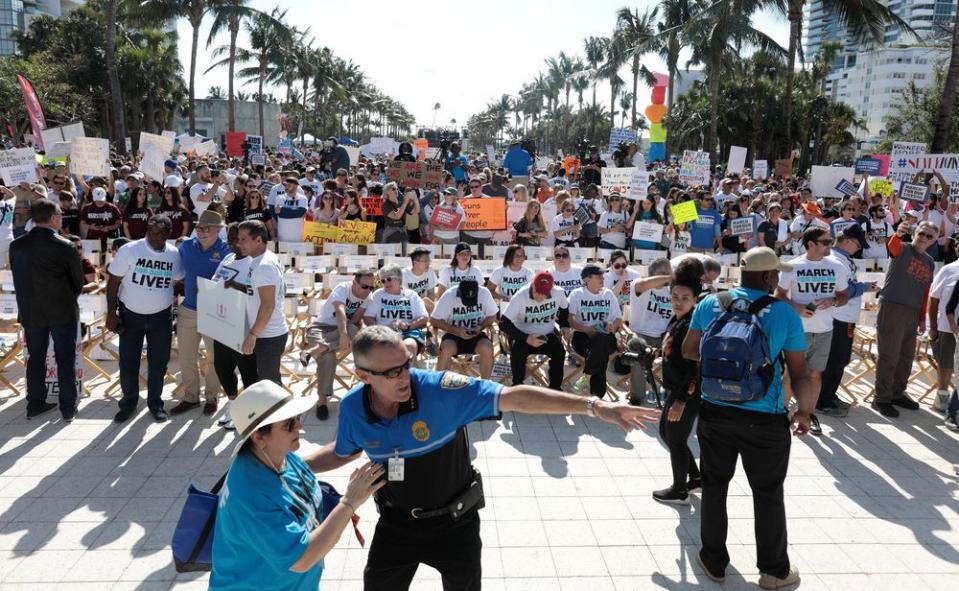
(454, 381)
(420, 431)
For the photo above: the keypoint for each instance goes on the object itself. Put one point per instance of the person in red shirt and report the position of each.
(99, 219)
(136, 214)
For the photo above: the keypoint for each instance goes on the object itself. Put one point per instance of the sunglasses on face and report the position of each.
(560, 255)
(365, 286)
(824, 242)
(474, 186)
(619, 266)
(290, 424)
(926, 236)
(391, 373)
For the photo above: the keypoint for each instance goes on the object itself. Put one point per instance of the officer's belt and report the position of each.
(464, 502)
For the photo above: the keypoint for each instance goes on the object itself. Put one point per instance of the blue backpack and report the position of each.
(735, 365)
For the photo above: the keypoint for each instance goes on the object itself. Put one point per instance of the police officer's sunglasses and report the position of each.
(391, 373)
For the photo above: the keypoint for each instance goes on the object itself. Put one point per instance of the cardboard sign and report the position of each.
(760, 169)
(372, 205)
(207, 148)
(357, 232)
(582, 215)
(316, 232)
(638, 184)
(684, 212)
(90, 156)
(616, 180)
(784, 168)
(420, 146)
(484, 213)
(880, 187)
(234, 143)
(156, 150)
(258, 159)
(648, 231)
(416, 175)
(18, 165)
(823, 180)
(868, 165)
(445, 219)
(737, 159)
(741, 226)
(256, 143)
(846, 188)
(694, 167)
(913, 192)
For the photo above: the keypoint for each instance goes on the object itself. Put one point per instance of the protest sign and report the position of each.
(382, 145)
(616, 180)
(18, 165)
(741, 226)
(684, 212)
(694, 167)
(823, 180)
(58, 150)
(648, 231)
(316, 232)
(90, 156)
(128, 144)
(880, 187)
(638, 184)
(491, 154)
(65, 133)
(445, 219)
(256, 143)
(915, 192)
(258, 159)
(372, 205)
(234, 143)
(285, 146)
(357, 232)
(515, 210)
(168, 133)
(156, 150)
(207, 148)
(868, 165)
(484, 213)
(760, 169)
(542, 162)
(905, 169)
(737, 160)
(420, 146)
(582, 215)
(216, 313)
(620, 134)
(354, 153)
(416, 175)
(898, 160)
(846, 188)
(784, 168)
(187, 143)
(73, 130)
(432, 153)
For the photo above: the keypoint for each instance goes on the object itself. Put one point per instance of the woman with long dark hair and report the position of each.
(136, 214)
(171, 205)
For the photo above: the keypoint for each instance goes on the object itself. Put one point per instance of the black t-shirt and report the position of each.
(680, 375)
(71, 221)
(260, 214)
(593, 177)
(491, 191)
(770, 233)
(388, 208)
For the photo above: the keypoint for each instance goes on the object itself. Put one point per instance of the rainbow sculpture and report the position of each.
(655, 113)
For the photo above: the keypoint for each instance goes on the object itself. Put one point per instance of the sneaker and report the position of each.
(123, 415)
(225, 418)
(842, 404)
(906, 402)
(183, 407)
(767, 581)
(322, 412)
(47, 407)
(228, 425)
(814, 427)
(952, 423)
(712, 577)
(834, 411)
(69, 414)
(885, 409)
(671, 496)
(941, 401)
(160, 415)
(304, 358)
(694, 484)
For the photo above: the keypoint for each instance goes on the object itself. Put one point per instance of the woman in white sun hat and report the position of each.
(271, 531)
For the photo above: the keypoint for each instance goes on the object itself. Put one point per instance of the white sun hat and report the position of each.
(265, 403)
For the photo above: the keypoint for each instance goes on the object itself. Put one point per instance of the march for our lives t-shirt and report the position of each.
(594, 309)
(450, 277)
(783, 330)
(705, 229)
(387, 308)
(148, 276)
(451, 309)
(508, 281)
(534, 317)
(649, 313)
(342, 293)
(419, 283)
(812, 281)
(568, 280)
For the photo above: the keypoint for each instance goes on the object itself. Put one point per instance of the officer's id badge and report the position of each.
(421, 432)
(454, 381)
(396, 468)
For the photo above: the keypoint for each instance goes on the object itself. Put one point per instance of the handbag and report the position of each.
(193, 537)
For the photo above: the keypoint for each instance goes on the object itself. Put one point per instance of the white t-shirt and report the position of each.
(649, 313)
(561, 223)
(315, 184)
(450, 277)
(568, 280)
(811, 281)
(451, 309)
(876, 236)
(387, 308)
(291, 229)
(943, 285)
(199, 189)
(608, 220)
(6, 224)
(263, 271)
(508, 282)
(594, 309)
(148, 276)
(850, 311)
(534, 317)
(609, 280)
(800, 224)
(342, 293)
(419, 283)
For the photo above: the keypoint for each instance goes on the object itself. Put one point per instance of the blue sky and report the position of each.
(462, 55)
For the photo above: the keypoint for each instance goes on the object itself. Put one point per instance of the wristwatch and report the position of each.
(590, 406)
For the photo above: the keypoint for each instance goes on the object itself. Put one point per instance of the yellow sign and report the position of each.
(684, 212)
(356, 232)
(316, 232)
(880, 187)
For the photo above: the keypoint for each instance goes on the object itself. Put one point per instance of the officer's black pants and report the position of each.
(400, 544)
(676, 437)
(596, 349)
(840, 353)
(553, 348)
(763, 440)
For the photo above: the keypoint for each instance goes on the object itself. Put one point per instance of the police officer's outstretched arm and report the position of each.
(538, 400)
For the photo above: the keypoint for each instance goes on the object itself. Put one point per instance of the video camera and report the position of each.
(529, 145)
(582, 148)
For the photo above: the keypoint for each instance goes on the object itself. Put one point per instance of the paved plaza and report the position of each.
(873, 504)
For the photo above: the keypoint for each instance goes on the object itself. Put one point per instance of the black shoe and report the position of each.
(671, 496)
(69, 414)
(159, 415)
(47, 407)
(814, 426)
(182, 407)
(304, 358)
(885, 409)
(694, 484)
(123, 415)
(322, 412)
(906, 402)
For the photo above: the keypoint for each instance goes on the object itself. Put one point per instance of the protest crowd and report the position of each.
(395, 273)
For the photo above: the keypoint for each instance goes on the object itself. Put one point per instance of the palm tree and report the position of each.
(943, 122)
(676, 14)
(609, 70)
(436, 110)
(215, 93)
(635, 34)
(625, 100)
(118, 129)
(595, 50)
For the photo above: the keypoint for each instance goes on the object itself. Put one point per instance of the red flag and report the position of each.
(37, 121)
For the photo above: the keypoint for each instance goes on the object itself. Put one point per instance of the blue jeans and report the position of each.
(157, 329)
(65, 350)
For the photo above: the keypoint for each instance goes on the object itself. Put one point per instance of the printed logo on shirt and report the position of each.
(594, 310)
(568, 285)
(396, 308)
(466, 316)
(661, 306)
(454, 381)
(818, 281)
(419, 286)
(153, 274)
(351, 307)
(543, 313)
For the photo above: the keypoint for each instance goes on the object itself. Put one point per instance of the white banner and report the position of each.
(90, 156)
(18, 165)
(354, 152)
(824, 179)
(694, 168)
(648, 231)
(207, 148)
(616, 180)
(382, 145)
(156, 150)
(760, 169)
(638, 184)
(737, 160)
(221, 313)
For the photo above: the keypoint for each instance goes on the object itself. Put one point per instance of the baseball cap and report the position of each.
(460, 248)
(99, 194)
(169, 163)
(763, 258)
(543, 283)
(450, 191)
(853, 233)
(265, 403)
(589, 270)
(172, 181)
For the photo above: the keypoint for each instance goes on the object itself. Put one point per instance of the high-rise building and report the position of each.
(15, 15)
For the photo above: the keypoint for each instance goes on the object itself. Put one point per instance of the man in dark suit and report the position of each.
(48, 277)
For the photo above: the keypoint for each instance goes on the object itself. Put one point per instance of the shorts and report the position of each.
(464, 346)
(418, 336)
(944, 350)
(817, 350)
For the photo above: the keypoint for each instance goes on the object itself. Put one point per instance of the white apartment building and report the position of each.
(17, 14)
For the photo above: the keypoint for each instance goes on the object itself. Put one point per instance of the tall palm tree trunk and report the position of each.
(713, 108)
(116, 97)
(259, 97)
(231, 98)
(612, 106)
(795, 30)
(635, 87)
(943, 131)
(193, 50)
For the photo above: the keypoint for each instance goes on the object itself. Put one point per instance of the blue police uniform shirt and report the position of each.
(783, 329)
(703, 230)
(263, 526)
(199, 263)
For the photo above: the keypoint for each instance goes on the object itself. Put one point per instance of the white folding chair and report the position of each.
(579, 255)
(542, 253)
(319, 263)
(384, 250)
(495, 252)
(338, 249)
(11, 338)
(354, 263)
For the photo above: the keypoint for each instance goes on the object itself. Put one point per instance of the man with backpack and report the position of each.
(742, 340)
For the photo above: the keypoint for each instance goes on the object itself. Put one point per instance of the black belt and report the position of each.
(471, 497)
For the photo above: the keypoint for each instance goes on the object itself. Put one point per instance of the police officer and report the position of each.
(414, 423)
